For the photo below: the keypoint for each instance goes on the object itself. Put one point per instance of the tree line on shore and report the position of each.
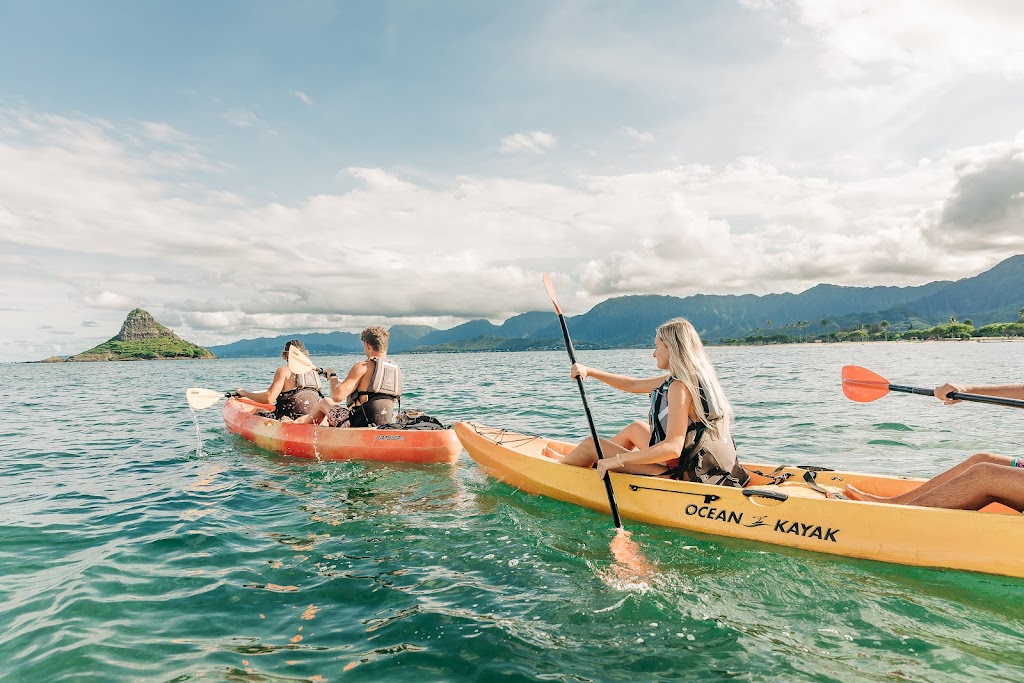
(796, 332)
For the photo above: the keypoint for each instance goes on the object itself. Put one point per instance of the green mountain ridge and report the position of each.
(995, 295)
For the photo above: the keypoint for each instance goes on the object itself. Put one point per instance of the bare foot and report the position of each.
(856, 494)
(285, 418)
(549, 452)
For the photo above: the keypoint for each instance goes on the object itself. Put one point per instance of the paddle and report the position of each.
(200, 399)
(864, 386)
(300, 364)
(586, 406)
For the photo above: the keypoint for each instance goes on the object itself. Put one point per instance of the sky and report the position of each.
(250, 168)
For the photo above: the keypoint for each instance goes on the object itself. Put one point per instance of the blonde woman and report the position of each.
(687, 432)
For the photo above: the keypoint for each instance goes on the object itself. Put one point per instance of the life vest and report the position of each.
(703, 458)
(307, 380)
(302, 399)
(385, 382)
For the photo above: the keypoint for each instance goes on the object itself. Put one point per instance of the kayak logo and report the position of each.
(784, 526)
(708, 512)
(390, 437)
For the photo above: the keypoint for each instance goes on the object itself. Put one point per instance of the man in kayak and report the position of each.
(292, 395)
(979, 480)
(687, 433)
(368, 393)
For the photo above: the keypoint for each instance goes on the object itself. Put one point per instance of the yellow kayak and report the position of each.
(790, 506)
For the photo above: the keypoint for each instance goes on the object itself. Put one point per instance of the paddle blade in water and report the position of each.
(631, 567)
(551, 293)
(298, 362)
(198, 399)
(862, 385)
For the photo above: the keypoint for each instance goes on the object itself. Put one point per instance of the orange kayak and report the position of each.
(332, 443)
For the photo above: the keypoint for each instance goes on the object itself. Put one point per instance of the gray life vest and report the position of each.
(307, 380)
(385, 382)
(703, 458)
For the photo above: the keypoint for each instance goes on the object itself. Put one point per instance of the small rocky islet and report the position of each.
(141, 338)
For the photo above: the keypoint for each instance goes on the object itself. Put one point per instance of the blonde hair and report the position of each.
(688, 363)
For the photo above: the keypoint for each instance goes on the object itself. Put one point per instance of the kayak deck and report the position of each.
(333, 443)
(782, 506)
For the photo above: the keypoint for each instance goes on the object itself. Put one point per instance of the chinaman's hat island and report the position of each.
(141, 338)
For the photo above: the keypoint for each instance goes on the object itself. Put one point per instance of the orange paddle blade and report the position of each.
(862, 385)
(551, 293)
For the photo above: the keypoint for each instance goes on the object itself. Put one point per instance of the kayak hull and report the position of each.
(331, 443)
(790, 514)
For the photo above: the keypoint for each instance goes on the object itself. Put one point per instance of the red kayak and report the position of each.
(334, 443)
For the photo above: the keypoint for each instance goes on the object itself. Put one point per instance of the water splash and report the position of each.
(632, 571)
(199, 435)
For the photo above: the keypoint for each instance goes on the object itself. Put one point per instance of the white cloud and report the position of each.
(639, 136)
(163, 132)
(110, 300)
(303, 97)
(915, 36)
(535, 141)
(241, 118)
(393, 250)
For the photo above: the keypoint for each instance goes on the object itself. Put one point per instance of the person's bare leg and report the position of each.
(635, 435)
(939, 480)
(977, 487)
(318, 414)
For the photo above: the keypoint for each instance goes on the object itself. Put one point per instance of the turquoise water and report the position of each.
(128, 554)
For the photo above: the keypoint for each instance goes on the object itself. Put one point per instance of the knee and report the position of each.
(640, 431)
(985, 470)
(987, 459)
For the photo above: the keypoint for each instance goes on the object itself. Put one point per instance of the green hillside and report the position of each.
(142, 338)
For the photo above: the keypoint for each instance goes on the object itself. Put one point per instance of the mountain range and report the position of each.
(995, 295)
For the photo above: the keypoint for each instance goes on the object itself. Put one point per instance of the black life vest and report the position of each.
(703, 458)
(302, 399)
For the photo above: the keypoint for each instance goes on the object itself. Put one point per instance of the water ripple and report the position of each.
(128, 553)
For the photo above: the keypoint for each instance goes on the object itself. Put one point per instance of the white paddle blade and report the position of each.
(298, 362)
(198, 399)
(551, 293)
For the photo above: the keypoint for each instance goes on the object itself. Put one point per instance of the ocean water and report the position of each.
(130, 553)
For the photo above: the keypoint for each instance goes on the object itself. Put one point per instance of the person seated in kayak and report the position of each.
(687, 432)
(979, 480)
(292, 395)
(368, 393)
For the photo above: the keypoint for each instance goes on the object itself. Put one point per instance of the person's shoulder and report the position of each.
(282, 371)
(677, 389)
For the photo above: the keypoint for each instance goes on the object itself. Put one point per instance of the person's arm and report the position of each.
(1015, 391)
(631, 385)
(271, 394)
(343, 388)
(675, 435)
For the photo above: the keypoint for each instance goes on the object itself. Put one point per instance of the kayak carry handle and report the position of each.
(773, 495)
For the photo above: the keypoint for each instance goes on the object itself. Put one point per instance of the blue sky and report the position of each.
(244, 169)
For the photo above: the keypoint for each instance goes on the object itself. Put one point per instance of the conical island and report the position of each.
(143, 338)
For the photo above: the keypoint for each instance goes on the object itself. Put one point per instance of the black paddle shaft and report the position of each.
(959, 396)
(593, 429)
